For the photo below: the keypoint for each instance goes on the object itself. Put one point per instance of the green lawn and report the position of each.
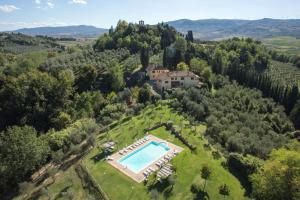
(188, 164)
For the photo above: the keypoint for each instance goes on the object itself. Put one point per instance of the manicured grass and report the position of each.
(188, 164)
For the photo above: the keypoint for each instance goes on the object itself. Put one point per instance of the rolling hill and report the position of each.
(81, 31)
(216, 29)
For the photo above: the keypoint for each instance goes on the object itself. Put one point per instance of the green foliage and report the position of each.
(75, 134)
(32, 98)
(21, 152)
(224, 190)
(145, 56)
(144, 94)
(189, 37)
(86, 79)
(239, 119)
(20, 43)
(279, 177)
(133, 36)
(182, 67)
(201, 68)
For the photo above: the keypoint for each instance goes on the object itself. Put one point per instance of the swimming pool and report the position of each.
(139, 159)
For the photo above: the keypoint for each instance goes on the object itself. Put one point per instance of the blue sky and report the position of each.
(103, 13)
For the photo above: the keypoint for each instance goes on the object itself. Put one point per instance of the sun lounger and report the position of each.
(151, 169)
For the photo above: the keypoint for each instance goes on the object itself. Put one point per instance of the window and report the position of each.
(166, 81)
(192, 78)
(153, 72)
(182, 78)
(172, 79)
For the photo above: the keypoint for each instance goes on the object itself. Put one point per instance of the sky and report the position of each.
(16, 14)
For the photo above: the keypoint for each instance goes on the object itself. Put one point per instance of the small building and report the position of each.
(155, 71)
(177, 79)
(141, 23)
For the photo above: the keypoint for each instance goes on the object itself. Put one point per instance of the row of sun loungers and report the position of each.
(136, 144)
(166, 158)
(165, 171)
(148, 171)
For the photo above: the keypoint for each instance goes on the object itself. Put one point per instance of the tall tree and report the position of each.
(189, 37)
(205, 174)
(145, 56)
(21, 152)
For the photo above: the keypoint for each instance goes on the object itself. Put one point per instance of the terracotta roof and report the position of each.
(177, 74)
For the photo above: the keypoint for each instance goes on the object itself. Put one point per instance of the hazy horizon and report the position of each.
(16, 14)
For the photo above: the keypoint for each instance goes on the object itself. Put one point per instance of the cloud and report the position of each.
(44, 4)
(8, 8)
(79, 1)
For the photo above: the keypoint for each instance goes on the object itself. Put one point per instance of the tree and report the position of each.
(182, 67)
(25, 187)
(21, 153)
(145, 56)
(197, 66)
(189, 37)
(279, 178)
(224, 190)
(33, 98)
(116, 76)
(87, 78)
(205, 174)
(144, 94)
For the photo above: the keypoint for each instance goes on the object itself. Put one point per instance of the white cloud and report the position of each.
(50, 4)
(44, 4)
(79, 1)
(8, 8)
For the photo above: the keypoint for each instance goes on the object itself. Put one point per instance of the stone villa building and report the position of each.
(164, 79)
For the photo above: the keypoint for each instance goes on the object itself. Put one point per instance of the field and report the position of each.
(284, 73)
(285, 44)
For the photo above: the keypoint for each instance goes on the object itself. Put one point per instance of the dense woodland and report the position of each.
(54, 99)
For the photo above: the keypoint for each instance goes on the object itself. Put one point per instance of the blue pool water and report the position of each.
(139, 159)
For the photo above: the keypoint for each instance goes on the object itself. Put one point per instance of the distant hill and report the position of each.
(216, 29)
(81, 31)
(20, 43)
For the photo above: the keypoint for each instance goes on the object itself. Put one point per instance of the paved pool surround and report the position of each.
(138, 175)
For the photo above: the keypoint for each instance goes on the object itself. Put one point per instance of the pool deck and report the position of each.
(140, 176)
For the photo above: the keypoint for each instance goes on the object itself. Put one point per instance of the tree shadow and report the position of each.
(201, 195)
(61, 193)
(98, 157)
(244, 182)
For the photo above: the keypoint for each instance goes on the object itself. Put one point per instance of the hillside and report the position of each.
(65, 31)
(216, 29)
(20, 43)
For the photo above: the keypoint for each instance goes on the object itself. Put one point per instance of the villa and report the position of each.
(165, 79)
